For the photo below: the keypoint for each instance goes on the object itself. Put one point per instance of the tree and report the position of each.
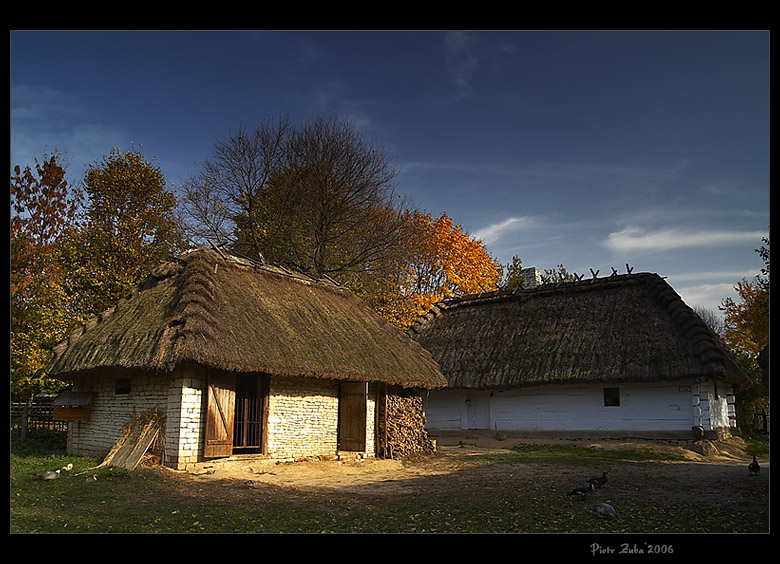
(333, 208)
(226, 200)
(747, 320)
(512, 277)
(440, 261)
(130, 226)
(557, 274)
(711, 318)
(315, 197)
(43, 207)
(746, 332)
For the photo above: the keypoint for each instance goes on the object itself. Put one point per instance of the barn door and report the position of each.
(352, 416)
(220, 413)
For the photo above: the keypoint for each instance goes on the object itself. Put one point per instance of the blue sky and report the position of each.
(587, 149)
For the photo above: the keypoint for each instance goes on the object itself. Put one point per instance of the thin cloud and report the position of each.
(467, 54)
(461, 60)
(735, 275)
(497, 231)
(638, 240)
(710, 296)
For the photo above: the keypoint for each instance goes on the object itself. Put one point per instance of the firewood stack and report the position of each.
(403, 427)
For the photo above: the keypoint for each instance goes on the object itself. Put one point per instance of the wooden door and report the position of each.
(221, 408)
(352, 416)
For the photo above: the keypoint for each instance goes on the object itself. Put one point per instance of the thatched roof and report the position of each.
(624, 328)
(215, 310)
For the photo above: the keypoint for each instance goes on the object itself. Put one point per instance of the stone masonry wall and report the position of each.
(302, 417)
(714, 408)
(187, 417)
(113, 410)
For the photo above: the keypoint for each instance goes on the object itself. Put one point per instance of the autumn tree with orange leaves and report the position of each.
(75, 254)
(746, 332)
(747, 320)
(439, 260)
(43, 207)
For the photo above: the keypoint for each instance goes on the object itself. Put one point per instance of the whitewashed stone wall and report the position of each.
(714, 407)
(371, 421)
(302, 415)
(186, 417)
(303, 418)
(663, 406)
(111, 413)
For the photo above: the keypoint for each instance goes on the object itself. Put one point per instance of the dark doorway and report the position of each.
(249, 422)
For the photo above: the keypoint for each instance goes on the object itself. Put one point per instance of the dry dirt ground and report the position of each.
(454, 470)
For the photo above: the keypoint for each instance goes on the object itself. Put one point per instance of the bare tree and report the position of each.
(711, 318)
(335, 208)
(229, 190)
(316, 197)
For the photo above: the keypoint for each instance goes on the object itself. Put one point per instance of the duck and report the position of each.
(605, 510)
(754, 467)
(49, 475)
(600, 481)
(582, 492)
(91, 479)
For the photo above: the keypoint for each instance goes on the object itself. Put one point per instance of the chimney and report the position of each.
(532, 278)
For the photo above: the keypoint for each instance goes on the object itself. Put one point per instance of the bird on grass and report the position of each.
(605, 510)
(68, 467)
(582, 492)
(48, 475)
(754, 467)
(600, 481)
(91, 479)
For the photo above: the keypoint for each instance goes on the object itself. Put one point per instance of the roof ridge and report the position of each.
(545, 289)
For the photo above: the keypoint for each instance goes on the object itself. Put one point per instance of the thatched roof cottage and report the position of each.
(611, 354)
(239, 357)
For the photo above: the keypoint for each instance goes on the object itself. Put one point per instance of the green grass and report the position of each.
(564, 454)
(155, 500)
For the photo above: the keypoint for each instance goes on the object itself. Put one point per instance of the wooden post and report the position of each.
(25, 411)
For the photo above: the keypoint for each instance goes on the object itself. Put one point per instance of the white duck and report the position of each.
(49, 475)
(605, 510)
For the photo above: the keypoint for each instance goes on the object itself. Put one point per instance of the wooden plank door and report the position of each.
(352, 416)
(221, 409)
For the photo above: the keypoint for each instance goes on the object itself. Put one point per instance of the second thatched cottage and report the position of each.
(618, 354)
(236, 357)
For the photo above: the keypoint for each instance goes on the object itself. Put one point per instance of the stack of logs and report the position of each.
(402, 426)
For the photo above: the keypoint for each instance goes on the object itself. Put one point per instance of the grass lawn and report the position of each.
(158, 501)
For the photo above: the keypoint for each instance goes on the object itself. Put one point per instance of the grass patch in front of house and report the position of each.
(565, 454)
(156, 500)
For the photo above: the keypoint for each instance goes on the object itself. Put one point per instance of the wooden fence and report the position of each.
(761, 422)
(38, 415)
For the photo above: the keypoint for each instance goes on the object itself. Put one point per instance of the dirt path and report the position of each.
(453, 470)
